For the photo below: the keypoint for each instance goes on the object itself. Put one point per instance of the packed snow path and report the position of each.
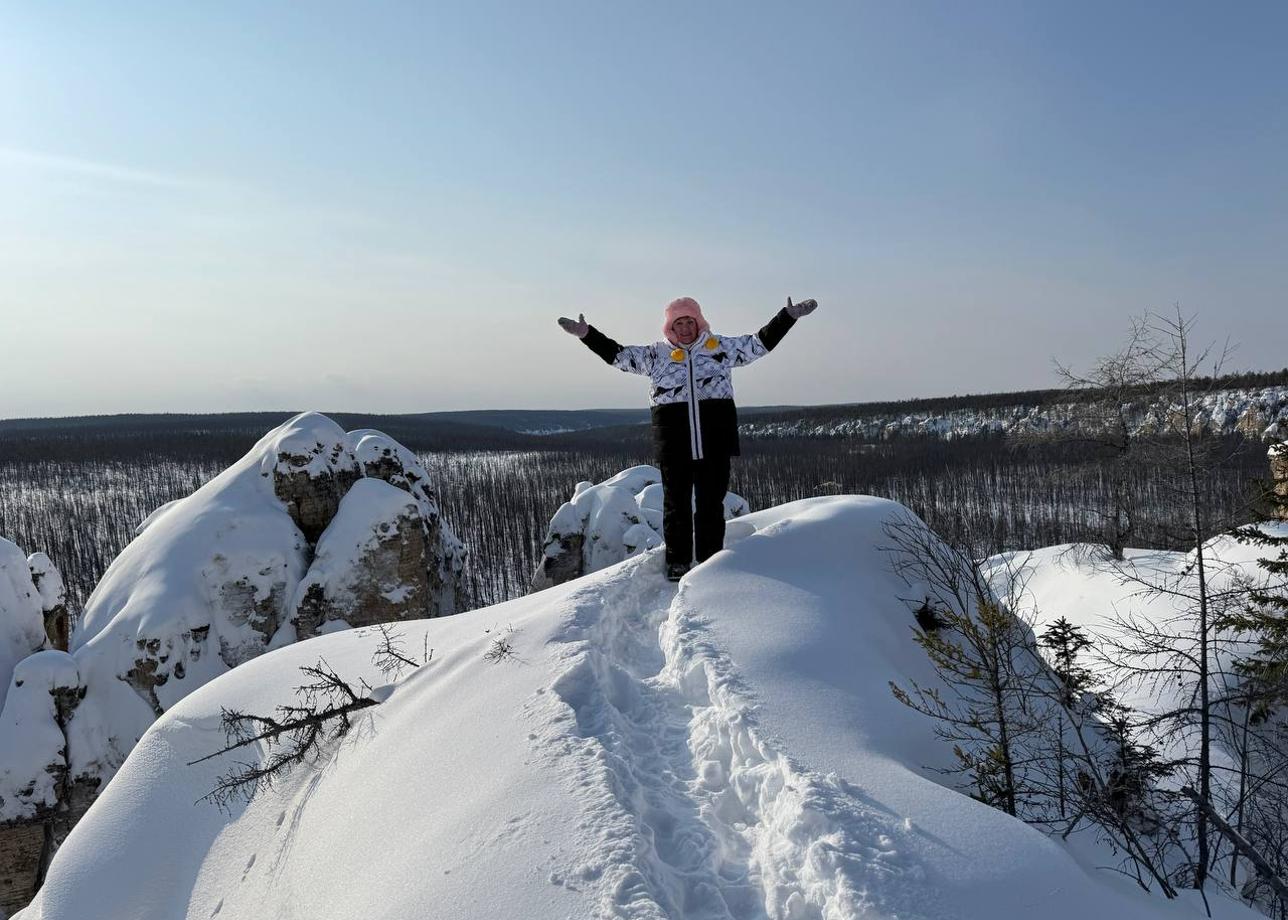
(694, 815)
(730, 749)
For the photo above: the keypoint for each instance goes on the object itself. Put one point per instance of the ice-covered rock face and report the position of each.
(606, 523)
(314, 529)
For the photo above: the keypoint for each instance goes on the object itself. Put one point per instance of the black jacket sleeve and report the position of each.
(773, 331)
(601, 345)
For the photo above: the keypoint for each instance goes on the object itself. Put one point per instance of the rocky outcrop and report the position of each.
(39, 688)
(1260, 412)
(1279, 473)
(314, 529)
(31, 599)
(311, 475)
(606, 523)
(370, 564)
(382, 458)
(34, 771)
(48, 583)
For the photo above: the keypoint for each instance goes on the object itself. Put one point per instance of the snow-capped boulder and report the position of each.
(606, 523)
(33, 769)
(22, 615)
(312, 469)
(314, 526)
(43, 693)
(381, 457)
(370, 563)
(53, 599)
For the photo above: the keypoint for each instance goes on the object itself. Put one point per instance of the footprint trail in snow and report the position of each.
(686, 813)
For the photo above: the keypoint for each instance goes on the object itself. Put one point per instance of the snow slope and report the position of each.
(1078, 582)
(727, 750)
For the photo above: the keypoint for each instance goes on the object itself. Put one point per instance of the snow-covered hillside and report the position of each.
(1257, 413)
(1079, 583)
(727, 750)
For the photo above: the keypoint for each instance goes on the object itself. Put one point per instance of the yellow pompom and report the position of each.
(677, 355)
(712, 344)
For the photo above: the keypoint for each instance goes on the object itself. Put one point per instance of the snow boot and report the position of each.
(675, 571)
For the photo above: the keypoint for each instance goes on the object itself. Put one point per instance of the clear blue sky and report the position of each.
(384, 206)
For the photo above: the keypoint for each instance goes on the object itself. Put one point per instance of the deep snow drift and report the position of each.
(727, 750)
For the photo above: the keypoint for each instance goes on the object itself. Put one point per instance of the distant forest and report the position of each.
(78, 492)
(226, 436)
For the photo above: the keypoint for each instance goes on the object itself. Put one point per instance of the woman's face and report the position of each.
(685, 329)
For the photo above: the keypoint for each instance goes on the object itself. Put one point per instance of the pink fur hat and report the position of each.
(683, 306)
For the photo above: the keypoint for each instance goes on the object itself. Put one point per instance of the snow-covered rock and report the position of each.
(370, 563)
(313, 528)
(606, 523)
(22, 607)
(1279, 473)
(43, 693)
(727, 750)
(53, 600)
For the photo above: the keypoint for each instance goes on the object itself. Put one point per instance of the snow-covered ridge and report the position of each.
(1257, 413)
(727, 750)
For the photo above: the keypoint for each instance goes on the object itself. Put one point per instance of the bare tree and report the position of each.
(1164, 653)
(297, 734)
(1105, 417)
(300, 733)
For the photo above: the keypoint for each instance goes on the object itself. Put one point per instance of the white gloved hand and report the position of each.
(578, 327)
(804, 308)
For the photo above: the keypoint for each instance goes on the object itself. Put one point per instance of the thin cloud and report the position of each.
(91, 169)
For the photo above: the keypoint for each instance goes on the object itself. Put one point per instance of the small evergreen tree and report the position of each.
(1265, 617)
(983, 712)
(1065, 642)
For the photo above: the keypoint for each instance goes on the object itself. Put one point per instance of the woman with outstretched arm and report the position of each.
(695, 421)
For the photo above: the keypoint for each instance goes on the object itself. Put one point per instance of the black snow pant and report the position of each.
(693, 493)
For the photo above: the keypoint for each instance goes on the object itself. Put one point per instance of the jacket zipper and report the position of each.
(695, 420)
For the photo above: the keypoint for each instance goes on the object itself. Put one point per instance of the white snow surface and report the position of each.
(22, 622)
(727, 750)
(1080, 583)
